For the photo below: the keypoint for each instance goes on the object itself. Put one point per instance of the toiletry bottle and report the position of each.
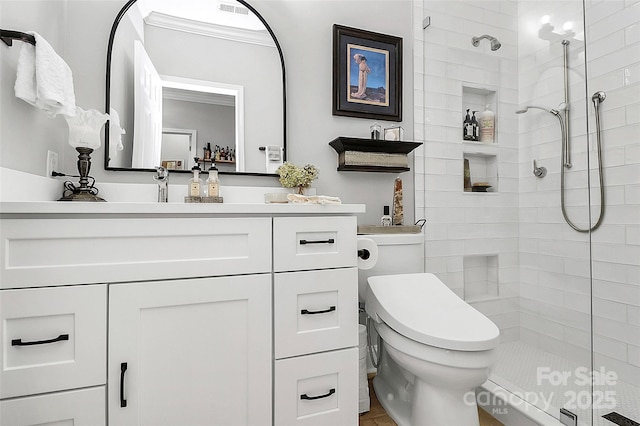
(467, 176)
(213, 182)
(475, 128)
(467, 129)
(386, 219)
(195, 183)
(487, 125)
(375, 131)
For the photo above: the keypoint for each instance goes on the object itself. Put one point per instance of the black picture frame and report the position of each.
(368, 86)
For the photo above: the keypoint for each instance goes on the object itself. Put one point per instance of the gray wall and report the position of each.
(79, 31)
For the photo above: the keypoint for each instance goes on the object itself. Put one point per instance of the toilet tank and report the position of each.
(397, 254)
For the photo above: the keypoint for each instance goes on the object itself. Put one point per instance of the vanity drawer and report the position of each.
(84, 407)
(303, 243)
(48, 252)
(52, 339)
(319, 389)
(315, 311)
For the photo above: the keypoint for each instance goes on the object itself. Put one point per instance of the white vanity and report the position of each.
(145, 313)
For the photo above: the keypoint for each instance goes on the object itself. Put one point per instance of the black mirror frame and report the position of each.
(112, 36)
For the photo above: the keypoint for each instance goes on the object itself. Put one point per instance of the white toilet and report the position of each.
(435, 349)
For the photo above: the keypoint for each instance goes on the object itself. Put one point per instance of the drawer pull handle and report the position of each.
(123, 369)
(311, 398)
(19, 342)
(329, 241)
(326, 311)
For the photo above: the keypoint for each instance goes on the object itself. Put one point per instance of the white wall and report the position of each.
(79, 30)
(26, 135)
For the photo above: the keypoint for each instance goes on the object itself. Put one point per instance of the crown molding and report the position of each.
(261, 37)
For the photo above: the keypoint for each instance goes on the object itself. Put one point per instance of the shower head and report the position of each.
(495, 44)
(526, 108)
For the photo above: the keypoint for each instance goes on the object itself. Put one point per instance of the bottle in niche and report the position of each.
(475, 128)
(467, 176)
(487, 125)
(213, 182)
(386, 218)
(195, 183)
(467, 128)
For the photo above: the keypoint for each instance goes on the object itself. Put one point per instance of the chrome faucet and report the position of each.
(162, 177)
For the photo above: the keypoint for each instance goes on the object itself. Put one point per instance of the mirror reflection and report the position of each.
(194, 79)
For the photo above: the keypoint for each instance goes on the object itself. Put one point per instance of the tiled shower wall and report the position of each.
(613, 57)
(466, 227)
(555, 292)
(543, 265)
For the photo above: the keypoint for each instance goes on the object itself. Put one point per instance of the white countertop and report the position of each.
(72, 207)
(140, 199)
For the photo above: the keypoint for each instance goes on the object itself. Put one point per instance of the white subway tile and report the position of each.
(617, 330)
(606, 271)
(618, 59)
(633, 355)
(622, 293)
(632, 194)
(633, 235)
(609, 347)
(607, 309)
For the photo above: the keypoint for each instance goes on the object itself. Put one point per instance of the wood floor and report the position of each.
(378, 417)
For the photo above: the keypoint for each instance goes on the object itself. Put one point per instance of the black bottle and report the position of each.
(475, 132)
(467, 128)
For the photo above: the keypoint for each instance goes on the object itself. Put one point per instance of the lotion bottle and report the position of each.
(386, 218)
(487, 125)
(475, 127)
(213, 182)
(195, 183)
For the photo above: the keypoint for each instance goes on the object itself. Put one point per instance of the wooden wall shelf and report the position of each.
(369, 155)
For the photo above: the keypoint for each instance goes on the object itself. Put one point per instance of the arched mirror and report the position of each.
(193, 79)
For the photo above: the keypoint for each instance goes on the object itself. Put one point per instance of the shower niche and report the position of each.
(481, 167)
(475, 98)
(480, 277)
(480, 159)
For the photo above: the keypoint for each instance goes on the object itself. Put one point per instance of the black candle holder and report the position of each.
(84, 192)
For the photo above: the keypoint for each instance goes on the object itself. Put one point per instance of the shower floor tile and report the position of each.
(550, 382)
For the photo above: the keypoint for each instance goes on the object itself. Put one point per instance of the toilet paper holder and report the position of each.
(364, 254)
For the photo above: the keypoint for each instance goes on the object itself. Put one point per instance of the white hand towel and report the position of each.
(44, 79)
(115, 134)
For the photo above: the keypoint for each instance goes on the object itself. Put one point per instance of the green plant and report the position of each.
(292, 176)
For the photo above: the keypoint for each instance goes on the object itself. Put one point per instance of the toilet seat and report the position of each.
(424, 309)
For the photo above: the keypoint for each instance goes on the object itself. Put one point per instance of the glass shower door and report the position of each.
(613, 64)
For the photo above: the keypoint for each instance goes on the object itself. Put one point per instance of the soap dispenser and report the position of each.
(475, 128)
(213, 182)
(195, 183)
(487, 125)
(467, 129)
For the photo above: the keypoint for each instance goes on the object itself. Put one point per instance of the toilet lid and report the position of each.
(423, 308)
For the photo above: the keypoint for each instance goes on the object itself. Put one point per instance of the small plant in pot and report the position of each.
(292, 176)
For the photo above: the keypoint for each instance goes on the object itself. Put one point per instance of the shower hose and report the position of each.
(597, 99)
